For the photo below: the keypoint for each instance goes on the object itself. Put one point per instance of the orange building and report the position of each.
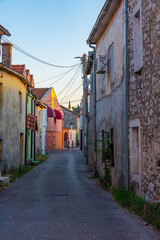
(54, 130)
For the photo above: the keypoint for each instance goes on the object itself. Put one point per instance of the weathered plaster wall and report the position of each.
(144, 101)
(12, 121)
(110, 98)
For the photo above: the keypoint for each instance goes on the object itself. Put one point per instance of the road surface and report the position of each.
(56, 201)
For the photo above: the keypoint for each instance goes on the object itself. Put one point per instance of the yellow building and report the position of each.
(12, 113)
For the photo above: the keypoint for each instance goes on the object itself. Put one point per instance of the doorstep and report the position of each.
(4, 179)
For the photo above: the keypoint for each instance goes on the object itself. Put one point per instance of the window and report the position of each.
(20, 101)
(1, 94)
(137, 39)
(0, 150)
(55, 120)
(112, 62)
(135, 150)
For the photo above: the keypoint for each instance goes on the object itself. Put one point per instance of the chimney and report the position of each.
(7, 53)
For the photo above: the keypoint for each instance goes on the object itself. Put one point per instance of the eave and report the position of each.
(9, 70)
(102, 21)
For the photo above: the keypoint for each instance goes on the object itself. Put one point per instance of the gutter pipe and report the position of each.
(126, 152)
(94, 106)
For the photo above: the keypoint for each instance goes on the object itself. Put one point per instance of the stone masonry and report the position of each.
(144, 100)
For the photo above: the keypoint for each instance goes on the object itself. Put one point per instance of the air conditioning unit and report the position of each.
(101, 64)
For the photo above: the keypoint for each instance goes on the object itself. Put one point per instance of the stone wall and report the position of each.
(69, 118)
(144, 100)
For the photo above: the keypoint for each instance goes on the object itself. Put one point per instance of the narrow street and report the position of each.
(56, 201)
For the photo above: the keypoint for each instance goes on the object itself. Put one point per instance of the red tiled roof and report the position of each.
(18, 68)
(39, 92)
(23, 71)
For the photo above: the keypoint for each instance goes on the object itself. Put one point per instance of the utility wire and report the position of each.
(72, 94)
(60, 78)
(64, 74)
(35, 58)
(67, 85)
(69, 95)
(66, 94)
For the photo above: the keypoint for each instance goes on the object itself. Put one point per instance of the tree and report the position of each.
(76, 109)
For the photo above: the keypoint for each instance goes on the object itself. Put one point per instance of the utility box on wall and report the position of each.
(101, 64)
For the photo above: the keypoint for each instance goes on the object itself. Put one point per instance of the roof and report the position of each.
(21, 68)
(4, 31)
(39, 92)
(69, 110)
(103, 19)
(18, 68)
(11, 71)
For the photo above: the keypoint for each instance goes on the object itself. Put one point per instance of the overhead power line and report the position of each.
(35, 58)
(66, 94)
(64, 74)
(60, 78)
(72, 93)
(67, 85)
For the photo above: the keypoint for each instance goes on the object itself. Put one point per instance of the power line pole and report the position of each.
(85, 109)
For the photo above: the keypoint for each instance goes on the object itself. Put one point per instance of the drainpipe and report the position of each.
(94, 107)
(126, 93)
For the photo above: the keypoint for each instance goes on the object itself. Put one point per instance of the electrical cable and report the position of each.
(66, 86)
(59, 78)
(70, 95)
(66, 93)
(64, 73)
(35, 58)
(73, 93)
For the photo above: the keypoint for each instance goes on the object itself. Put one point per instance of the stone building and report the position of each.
(108, 36)
(144, 97)
(70, 125)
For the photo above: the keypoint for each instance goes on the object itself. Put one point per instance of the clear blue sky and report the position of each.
(54, 31)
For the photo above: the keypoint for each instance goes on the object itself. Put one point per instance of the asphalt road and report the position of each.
(56, 201)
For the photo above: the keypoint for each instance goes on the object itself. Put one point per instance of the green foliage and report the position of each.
(5, 166)
(76, 109)
(149, 212)
(104, 148)
(41, 158)
(20, 172)
(17, 173)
